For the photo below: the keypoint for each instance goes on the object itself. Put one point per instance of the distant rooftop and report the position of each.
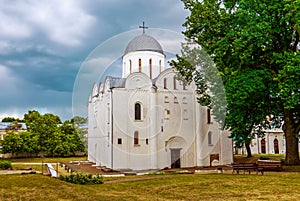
(3, 125)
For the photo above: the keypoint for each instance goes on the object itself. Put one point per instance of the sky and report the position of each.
(44, 44)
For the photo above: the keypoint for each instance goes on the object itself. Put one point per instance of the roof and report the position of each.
(3, 125)
(117, 82)
(143, 42)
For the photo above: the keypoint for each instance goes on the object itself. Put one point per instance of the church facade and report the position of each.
(147, 119)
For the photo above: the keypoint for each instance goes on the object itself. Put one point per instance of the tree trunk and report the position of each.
(291, 138)
(248, 150)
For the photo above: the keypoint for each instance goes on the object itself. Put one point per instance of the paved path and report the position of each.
(6, 172)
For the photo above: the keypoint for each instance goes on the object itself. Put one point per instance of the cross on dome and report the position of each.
(143, 27)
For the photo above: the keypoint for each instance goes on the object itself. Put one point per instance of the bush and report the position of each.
(264, 158)
(81, 178)
(156, 173)
(5, 165)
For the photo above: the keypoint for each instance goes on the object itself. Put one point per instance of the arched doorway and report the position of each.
(276, 146)
(175, 158)
(176, 145)
(263, 146)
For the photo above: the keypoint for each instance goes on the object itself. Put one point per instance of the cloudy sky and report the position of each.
(44, 43)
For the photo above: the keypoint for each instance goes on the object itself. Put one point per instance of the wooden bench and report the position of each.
(245, 167)
(268, 165)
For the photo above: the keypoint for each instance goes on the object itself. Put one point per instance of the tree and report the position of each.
(79, 120)
(29, 143)
(8, 119)
(45, 127)
(45, 133)
(70, 132)
(11, 119)
(246, 113)
(53, 137)
(249, 36)
(12, 143)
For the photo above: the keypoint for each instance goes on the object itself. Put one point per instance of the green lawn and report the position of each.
(49, 159)
(208, 186)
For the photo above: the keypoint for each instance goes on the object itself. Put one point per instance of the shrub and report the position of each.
(156, 173)
(5, 165)
(264, 158)
(82, 178)
(181, 172)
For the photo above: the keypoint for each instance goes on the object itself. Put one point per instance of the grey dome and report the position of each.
(143, 42)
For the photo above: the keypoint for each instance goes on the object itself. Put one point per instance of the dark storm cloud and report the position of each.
(43, 44)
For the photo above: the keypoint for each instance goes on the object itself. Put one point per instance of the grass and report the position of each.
(17, 163)
(48, 159)
(212, 186)
(61, 171)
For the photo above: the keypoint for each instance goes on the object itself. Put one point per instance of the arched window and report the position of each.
(137, 111)
(175, 82)
(159, 66)
(166, 99)
(140, 65)
(130, 65)
(167, 114)
(136, 138)
(175, 99)
(263, 146)
(209, 138)
(276, 147)
(208, 116)
(150, 68)
(165, 83)
(185, 114)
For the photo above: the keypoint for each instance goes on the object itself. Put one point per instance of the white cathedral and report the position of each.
(149, 120)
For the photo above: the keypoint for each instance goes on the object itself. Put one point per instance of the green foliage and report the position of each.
(4, 164)
(82, 178)
(12, 143)
(247, 113)
(256, 43)
(264, 158)
(45, 133)
(156, 173)
(79, 120)
(30, 143)
(11, 119)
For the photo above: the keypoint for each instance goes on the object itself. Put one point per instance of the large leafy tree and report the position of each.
(45, 134)
(53, 137)
(12, 143)
(29, 143)
(246, 116)
(249, 37)
(11, 119)
(45, 127)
